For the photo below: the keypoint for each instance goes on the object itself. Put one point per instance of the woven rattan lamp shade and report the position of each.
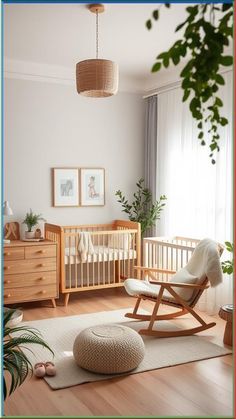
(97, 78)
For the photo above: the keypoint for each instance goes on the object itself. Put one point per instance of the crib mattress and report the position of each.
(101, 254)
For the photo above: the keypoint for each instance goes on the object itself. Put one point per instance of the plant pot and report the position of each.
(29, 234)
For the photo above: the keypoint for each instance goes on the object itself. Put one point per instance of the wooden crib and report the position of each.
(170, 253)
(116, 250)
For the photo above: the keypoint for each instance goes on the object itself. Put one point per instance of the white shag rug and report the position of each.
(61, 332)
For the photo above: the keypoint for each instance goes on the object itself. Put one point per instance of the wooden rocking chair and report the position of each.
(182, 292)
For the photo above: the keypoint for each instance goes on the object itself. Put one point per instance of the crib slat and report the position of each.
(108, 263)
(70, 261)
(76, 250)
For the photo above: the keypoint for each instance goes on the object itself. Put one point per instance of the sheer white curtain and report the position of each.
(199, 194)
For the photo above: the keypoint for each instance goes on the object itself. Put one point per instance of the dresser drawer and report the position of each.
(14, 253)
(30, 279)
(33, 265)
(40, 252)
(39, 292)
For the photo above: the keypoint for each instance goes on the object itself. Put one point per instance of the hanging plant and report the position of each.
(204, 41)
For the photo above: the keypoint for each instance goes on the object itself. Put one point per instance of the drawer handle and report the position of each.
(7, 254)
(42, 265)
(7, 296)
(7, 282)
(43, 292)
(41, 251)
(6, 268)
(42, 278)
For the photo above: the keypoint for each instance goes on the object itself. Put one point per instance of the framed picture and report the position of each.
(92, 187)
(65, 187)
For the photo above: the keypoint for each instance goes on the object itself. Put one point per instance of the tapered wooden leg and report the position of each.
(137, 305)
(66, 299)
(155, 310)
(53, 302)
(133, 315)
(228, 333)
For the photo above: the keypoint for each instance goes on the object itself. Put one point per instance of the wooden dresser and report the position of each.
(30, 271)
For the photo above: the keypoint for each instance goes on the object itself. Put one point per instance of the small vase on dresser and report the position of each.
(29, 234)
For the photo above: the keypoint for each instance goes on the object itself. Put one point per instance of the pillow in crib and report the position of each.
(120, 241)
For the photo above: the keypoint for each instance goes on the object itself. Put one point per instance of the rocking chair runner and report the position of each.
(182, 292)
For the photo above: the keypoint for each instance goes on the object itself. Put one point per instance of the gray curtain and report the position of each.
(150, 150)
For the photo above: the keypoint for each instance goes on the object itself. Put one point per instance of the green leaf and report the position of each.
(226, 60)
(200, 135)
(166, 61)
(226, 6)
(180, 26)
(186, 83)
(167, 5)
(156, 67)
(175, 59)
(186, 70)
(218, 102)
(199, 125)
(163, 55)
(155, 14)
(223, 121)
(229, 246)
(149, 24)
(219, 79)
(213, 146)
(192, 10)
(186, 95)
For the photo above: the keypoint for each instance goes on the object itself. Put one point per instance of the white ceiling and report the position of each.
(63, 34)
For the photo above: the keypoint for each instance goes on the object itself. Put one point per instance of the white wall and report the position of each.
(49, 125)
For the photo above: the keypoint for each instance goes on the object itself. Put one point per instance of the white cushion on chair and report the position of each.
(136, 287)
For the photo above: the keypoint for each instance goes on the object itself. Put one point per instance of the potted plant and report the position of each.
(31, 220)
(142, 209)
(16, 365)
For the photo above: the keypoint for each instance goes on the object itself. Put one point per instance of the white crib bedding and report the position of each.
(101, 254)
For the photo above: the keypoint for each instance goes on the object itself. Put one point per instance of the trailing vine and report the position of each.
(204, 39)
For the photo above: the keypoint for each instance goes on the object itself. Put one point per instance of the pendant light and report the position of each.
(97, 77)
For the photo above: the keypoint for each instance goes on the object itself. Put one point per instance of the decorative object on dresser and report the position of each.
(92, 187)
(95, 256)
(97, 77)
(30, 272)
(65, 186)
(9, 229)
(11, 232)
(38, 234)
(31, 220)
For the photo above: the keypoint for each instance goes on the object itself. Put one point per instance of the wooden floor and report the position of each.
(199, 389)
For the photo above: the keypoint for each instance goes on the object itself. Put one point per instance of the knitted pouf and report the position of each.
(108, 349)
